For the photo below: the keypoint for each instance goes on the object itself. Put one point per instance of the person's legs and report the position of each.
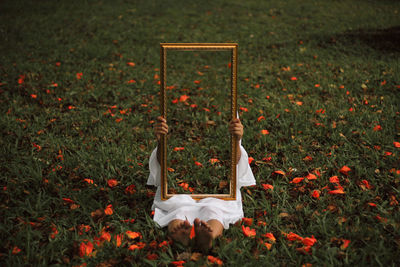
(179, 230)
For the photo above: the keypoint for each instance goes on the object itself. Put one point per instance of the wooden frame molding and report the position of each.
(233, 47)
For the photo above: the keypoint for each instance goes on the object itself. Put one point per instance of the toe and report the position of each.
(186, 224)
(197, 222)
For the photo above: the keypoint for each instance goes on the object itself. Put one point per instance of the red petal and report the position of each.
(297, 180)
(267, 186)
(311, 176)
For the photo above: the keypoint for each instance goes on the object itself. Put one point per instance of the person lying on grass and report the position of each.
(210, 216)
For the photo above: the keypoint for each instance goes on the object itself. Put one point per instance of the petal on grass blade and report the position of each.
(334, 179)
(247, 231)
(311, 176)
(366, 184)
(279, 172)
(247, 221)
(270, 236)
(336, 192)
(294, 237)
(250, 160)
(345, 244)
(133, 235)
(297, 180)
(309, 241)
(108, 210)
(16, 250)
(345, 170)
(86, 249)
(264, 132)
(215, 260)
(267, 186)
(112, 182)
(315, 194)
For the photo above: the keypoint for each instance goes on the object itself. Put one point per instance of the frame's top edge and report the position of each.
(198, 44)
(200, 195)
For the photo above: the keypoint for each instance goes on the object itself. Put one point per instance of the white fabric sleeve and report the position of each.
(155, 170)
(245, 176)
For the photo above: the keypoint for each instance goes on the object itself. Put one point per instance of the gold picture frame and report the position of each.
(233, 47)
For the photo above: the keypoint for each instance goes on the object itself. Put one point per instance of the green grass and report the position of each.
(71, 132)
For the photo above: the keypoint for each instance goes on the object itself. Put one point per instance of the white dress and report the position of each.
(183, 206)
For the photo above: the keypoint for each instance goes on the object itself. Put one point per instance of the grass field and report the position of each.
(79, 95)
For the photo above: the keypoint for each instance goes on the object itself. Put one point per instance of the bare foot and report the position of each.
(204, 235)
(179, 230)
